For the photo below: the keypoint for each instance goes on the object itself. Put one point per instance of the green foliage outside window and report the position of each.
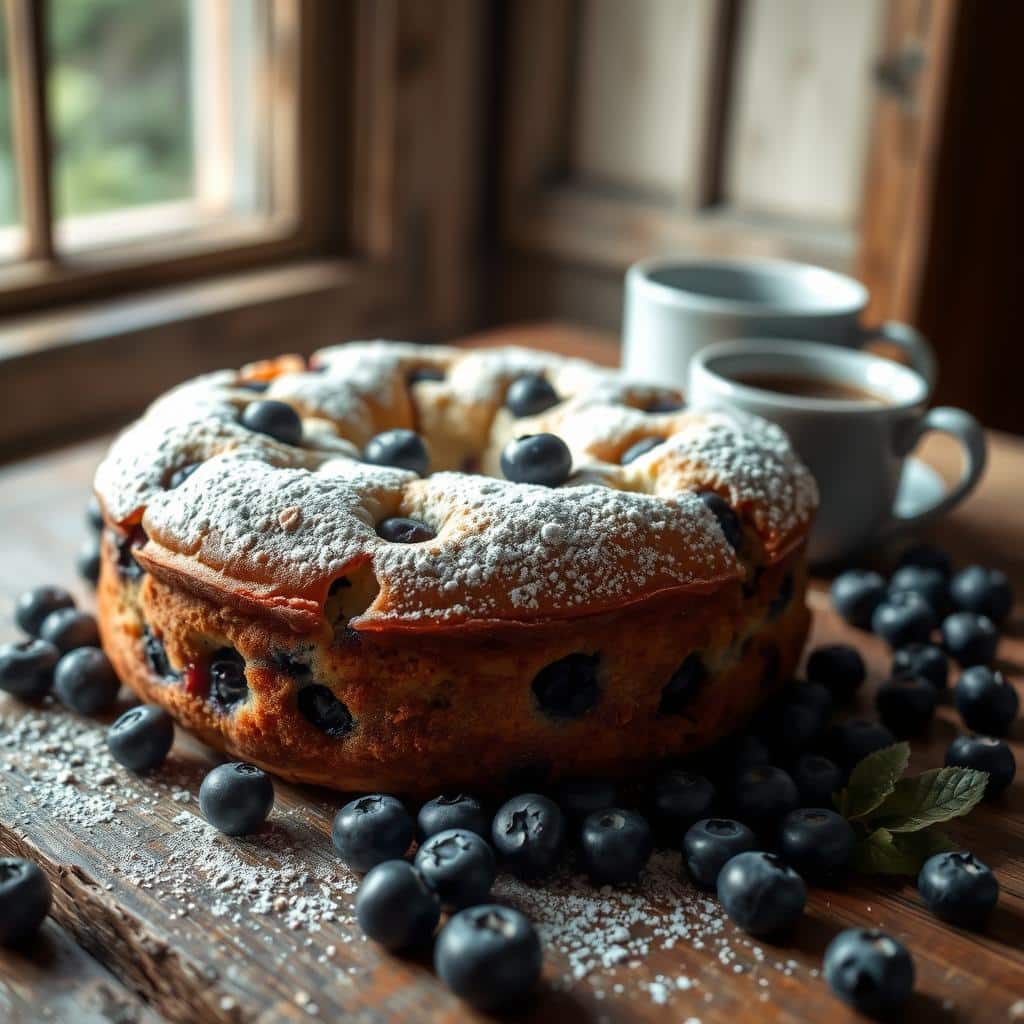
(120, 105)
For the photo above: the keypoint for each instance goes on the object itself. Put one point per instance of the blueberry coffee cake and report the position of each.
(409, 568)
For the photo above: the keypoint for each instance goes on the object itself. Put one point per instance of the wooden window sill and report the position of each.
(89, 367)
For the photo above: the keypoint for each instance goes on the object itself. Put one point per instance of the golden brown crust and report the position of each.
(450, 710)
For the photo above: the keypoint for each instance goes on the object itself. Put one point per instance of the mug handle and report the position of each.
(969, 432)
(908, 339)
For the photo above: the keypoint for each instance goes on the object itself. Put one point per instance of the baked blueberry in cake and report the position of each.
(416, 569)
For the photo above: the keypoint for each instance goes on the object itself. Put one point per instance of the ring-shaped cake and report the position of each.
(368, 627)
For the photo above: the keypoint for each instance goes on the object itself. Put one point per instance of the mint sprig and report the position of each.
(886, 853)
(873, 779)
(895, 817)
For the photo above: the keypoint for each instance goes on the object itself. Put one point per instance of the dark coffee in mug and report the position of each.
(810, 387)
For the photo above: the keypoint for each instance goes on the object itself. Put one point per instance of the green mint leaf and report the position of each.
(923, 844)
(877, 854)
(887, 853)
(929, 798)
(873, 778)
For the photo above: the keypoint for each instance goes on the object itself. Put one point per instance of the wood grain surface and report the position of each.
(158, 916)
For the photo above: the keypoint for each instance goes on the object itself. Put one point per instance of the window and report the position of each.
(140, 131)
(191, 184)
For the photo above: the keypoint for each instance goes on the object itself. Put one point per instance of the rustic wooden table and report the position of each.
(157, 916)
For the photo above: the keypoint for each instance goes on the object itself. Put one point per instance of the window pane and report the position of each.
(121, 103)
(161, 115)
(9, 214)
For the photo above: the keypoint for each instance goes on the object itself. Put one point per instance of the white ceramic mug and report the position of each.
(855, 447)
(674, 307)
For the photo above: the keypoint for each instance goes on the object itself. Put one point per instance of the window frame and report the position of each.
(46, 277)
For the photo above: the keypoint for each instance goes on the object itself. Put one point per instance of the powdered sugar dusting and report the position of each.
(660, 940)
(752, 460)
(299, 516)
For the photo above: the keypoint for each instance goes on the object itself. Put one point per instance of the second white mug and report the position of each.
(853, 418)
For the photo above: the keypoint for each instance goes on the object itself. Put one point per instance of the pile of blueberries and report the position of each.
(923, 600)
(752, 816)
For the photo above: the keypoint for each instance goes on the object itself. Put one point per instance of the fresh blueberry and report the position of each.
(579, 797)
(817, 842)
(731, 757)
(25, 899)
(370, 830)
(88, 559)
(986, 699)
(529, 395)
(33, 606)
(488, 955)
(68, 628)
(396, 907)
(569, 687)
(726, 516)
(851, 741)
(710, 843)
(761, 893)
(986, 754)
(926, 661)
(927, 556)
(906, 704)
(529, 834)
(228, 684)
(815, 695)
(126, 544)
(816, 779)
(180, 475)
(680, 798)
(156, 656)
(615, 846)
(458, 865)
(399, 448)
(665, 403)
(402, 530)
(904, 618)
(789, 725)
(764, 795)
(94, 514)
(236, 798)
(683, 686)
(275, 419)
(641, 447)
(26, 668)
(958, 888)
(537, 459)
(983, 591)
(930, 584)
(869, 971)
(85, 681)
(970, 638)
(856, 594)
(141, 737)
(258, 386)
(455, 811)
(319, 706)
(424, 373)
(838, 667)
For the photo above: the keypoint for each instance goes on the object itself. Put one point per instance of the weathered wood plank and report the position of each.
(52, 978)
(802, 102)
(642, 77)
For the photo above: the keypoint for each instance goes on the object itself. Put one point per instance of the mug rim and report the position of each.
(819, 352)
(640, 275)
